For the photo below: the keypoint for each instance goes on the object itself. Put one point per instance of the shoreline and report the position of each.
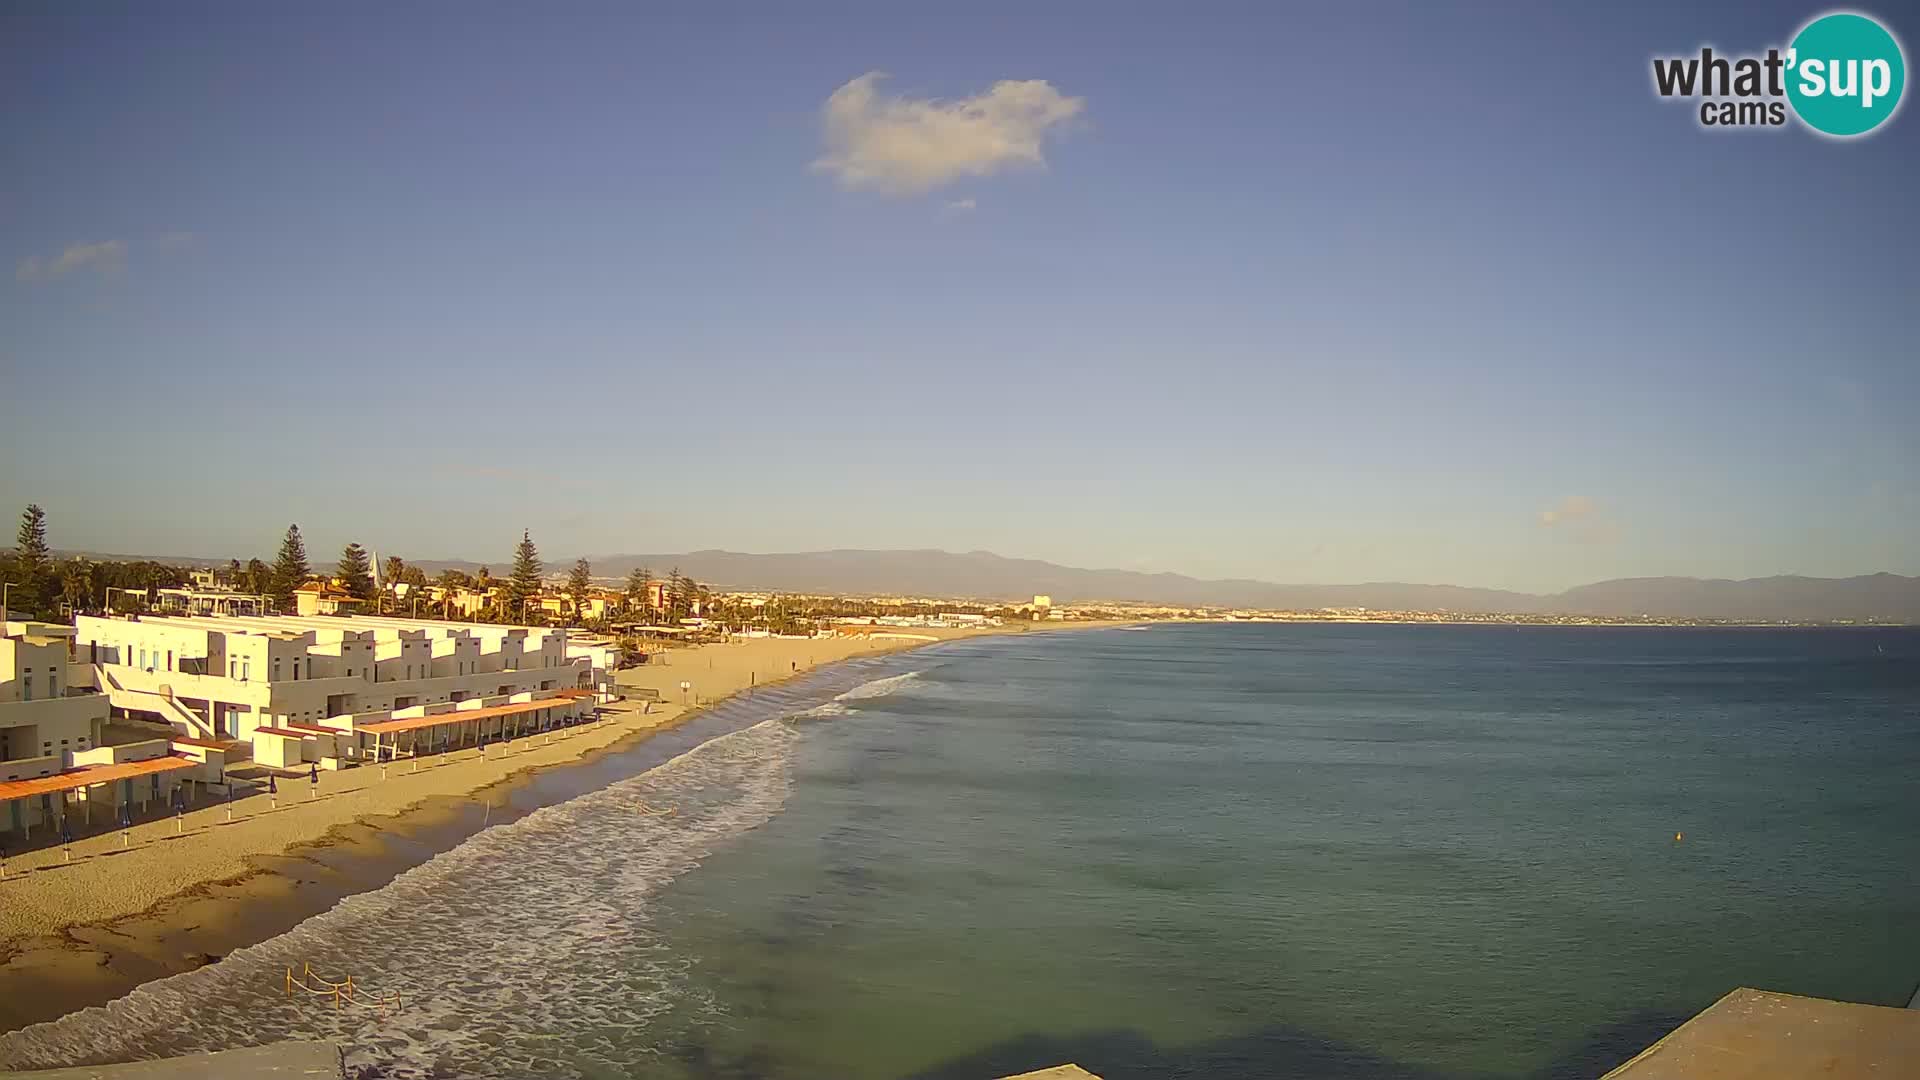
(83, 934)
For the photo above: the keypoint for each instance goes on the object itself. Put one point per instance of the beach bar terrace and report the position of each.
(451, 729)
(32, 801)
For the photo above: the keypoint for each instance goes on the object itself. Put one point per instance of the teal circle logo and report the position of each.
(1845, 74)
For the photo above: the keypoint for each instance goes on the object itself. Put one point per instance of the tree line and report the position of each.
(39, 586)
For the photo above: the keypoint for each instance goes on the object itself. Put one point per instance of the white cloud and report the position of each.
(904, 146)
(1580, 518)
(177, 238)
(106, 257)
(960, 206)
(1571, 509)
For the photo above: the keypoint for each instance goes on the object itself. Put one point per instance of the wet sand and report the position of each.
(183, 894)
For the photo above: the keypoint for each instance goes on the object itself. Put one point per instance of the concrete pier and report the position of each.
(1758, 1035)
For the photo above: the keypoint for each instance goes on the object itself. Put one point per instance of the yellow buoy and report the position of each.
(1677, 837)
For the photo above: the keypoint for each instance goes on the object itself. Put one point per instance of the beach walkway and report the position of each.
(1759, 1035)
(276, 1061)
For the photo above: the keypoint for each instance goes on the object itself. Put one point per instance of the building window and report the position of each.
(26, 688)
(246, 669)
(53, 685)
(233, 668)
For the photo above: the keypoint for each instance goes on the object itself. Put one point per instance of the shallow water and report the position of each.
(1231, 851)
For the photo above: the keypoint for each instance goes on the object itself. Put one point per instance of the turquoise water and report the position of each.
(1318, 851)
(1187, 851)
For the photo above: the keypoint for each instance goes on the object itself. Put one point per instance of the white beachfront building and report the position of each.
(43, 718)
(55, 757)
(332, 689)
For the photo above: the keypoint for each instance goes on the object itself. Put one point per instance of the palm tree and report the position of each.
(76, 584)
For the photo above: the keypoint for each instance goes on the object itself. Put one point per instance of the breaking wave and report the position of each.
(526, 950)
(879, 687)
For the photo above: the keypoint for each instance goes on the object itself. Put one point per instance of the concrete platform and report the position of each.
(277, 1061)
(1759, 1035)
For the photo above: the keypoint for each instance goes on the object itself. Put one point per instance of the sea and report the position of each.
(1182, 851)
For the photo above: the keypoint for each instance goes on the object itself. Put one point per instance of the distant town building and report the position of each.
(210, 601)
(324, 598)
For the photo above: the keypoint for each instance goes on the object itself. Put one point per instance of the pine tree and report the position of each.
(579, 583)
(36, 587)
(677, 595)
(356, 571)
(639, 584)
(524, 584)
(290, 570)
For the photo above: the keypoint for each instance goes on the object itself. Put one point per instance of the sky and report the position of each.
(1315, 293)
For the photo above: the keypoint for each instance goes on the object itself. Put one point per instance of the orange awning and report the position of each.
(89, 775)
(461, 716)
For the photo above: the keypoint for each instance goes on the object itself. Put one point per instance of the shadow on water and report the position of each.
(1267, 1054)
(1273, 1052)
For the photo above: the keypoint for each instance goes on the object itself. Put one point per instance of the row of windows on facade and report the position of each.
(46, 749)
(26, 684)
(243, 669)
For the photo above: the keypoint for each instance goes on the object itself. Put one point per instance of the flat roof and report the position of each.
(205, 744)
(88, 775)
(282, 732)
(387, 727)
(1759, 1035)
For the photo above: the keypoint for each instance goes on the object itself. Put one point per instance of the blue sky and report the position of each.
(1335, 293)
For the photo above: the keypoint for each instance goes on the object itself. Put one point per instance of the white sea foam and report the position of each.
(879, 687)
(526, 950)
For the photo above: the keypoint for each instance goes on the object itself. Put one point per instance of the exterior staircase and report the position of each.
(183, 720)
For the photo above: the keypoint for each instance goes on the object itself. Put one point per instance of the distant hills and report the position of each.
(985, 576)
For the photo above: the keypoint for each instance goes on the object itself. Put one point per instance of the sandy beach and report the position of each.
(173, 894)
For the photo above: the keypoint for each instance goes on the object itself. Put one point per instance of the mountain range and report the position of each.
(983, 575)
